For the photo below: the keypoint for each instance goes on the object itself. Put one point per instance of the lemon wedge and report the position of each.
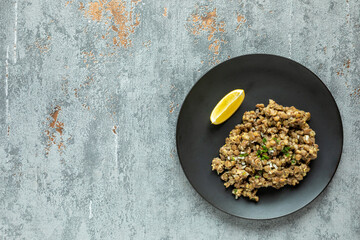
(227, 106)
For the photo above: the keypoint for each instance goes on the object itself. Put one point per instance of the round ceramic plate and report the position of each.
(263, 77)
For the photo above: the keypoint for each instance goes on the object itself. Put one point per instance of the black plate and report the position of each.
(263, 77)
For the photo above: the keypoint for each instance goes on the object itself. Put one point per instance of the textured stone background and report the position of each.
(89, 97)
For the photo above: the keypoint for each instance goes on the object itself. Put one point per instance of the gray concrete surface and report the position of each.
(89, 96)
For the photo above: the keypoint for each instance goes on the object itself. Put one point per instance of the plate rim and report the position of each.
(261, 55)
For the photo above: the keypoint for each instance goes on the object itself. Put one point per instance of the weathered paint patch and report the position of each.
(205, 22)
(119, 14)
(165, 12)
(95, 10)
(57, 125)
(54, 132)
(240, 20)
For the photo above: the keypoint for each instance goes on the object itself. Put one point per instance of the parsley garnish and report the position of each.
(285, 150)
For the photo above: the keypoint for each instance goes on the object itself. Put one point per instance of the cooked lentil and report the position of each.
(271, 148)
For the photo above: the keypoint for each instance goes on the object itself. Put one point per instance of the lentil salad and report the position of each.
(272, 147)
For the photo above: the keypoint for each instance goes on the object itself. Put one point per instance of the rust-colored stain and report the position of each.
(114, 129)
(205, 21)
(60, 146)
(65, 84)
(345, 66)
(54, 116)
(55, 131)
(356, 93)
(165, 12)
(85, 106)
(95, 10)
(58, 126)
(172, 153)
(88, 82)
(89, 57)
(81, 6)
(147, 44)
(68, 2)
(173, 107)
(77, 91)
(240, 20)
(119, 14)
(42, 44)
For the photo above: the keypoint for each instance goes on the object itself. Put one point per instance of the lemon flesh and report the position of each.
(227, 106)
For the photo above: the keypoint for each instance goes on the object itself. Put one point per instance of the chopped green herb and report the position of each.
(266, 157)
(264, 140)
(244, 173)
(285, 149)
(276, 140)
(257, 176)
(258, 152)
(233, 159)
(260, 172)
(287, 154)
(293, 162)
(270, 149)
(243, 155)
(234, 191)
(265, 149)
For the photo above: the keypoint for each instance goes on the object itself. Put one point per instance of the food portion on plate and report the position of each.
(272, 147)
